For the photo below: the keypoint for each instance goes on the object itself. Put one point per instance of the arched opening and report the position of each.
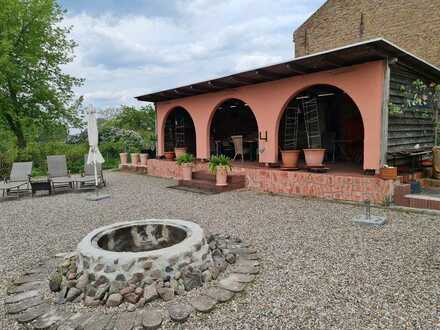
(180, 131)
(234, 131)
(324, 116)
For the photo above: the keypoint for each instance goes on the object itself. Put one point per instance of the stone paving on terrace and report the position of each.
(318, 270)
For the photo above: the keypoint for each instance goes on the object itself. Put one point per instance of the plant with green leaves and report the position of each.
(34, 45)
(185, 159)
(217, 161)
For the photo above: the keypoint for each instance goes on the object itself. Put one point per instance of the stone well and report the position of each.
(145, 250)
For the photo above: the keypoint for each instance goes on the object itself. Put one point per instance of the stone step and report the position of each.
(25, 287)
(32, 313)
(16, 298)
(421, 201)
(208, 176)
(23, 305)
(210, 185)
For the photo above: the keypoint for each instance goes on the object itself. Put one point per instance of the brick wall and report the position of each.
(325, 186)
(413, 25)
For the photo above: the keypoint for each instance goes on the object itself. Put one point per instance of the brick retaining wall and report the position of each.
(326, 186)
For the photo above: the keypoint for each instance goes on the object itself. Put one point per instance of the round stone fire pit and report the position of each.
(145, 250)
(130, 265)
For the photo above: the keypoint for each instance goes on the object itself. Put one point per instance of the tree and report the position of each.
(141, 120)
(34, 46)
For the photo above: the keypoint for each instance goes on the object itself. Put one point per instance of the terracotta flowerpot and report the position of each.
(290, 158)
(144, 158)
(179, 151)
(221, 176)
(134, 158)
(123, 156)
(187, 172)
(388, 173)
(169, 155)
(314, 157)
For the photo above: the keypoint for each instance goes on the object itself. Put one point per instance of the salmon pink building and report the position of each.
(337, 101)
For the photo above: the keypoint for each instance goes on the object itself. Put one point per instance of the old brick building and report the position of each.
(413, 25)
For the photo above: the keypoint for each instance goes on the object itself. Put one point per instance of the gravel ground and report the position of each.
(318, 269)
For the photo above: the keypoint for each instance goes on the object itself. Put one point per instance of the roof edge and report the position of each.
(326, 52)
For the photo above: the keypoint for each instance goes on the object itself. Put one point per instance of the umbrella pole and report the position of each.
(96, 178)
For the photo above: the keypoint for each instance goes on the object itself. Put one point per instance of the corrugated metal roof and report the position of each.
(372, 50)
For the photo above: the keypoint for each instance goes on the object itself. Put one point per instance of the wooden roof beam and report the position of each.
(220, 84)
(244, 80)
(295, 68)
(269, 74)
(178, 91)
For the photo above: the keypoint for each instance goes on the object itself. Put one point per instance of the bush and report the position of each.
(127, 140)
(74, 153)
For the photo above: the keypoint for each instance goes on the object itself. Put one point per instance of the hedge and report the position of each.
(37, 153)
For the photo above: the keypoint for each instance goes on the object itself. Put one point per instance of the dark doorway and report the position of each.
(341, 130)
(180, 131)
(233, 122)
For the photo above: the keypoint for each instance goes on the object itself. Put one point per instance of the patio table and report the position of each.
(41, 184)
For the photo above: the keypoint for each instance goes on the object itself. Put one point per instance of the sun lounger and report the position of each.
(87, 178)
(58, 174)
(18, 180)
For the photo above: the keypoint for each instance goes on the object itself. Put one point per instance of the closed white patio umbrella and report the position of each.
(94, 157)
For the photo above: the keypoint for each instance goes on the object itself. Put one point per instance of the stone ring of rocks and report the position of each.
(135, 265)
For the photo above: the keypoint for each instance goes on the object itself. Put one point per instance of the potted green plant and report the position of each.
(186, 161)
(220, 165)
(179, 151)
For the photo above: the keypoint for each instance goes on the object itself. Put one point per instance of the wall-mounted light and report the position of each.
(263, 138)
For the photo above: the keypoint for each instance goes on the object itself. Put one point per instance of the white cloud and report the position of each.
(124, 55)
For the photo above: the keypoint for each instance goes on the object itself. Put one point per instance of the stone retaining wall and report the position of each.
(326, 186)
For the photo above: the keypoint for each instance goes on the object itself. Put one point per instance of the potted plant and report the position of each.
(314, 157)
(179, 151)
(388, 172)
(169, 155)
(220, 165)
(134, 158)
(123, 155)
(143, 157)
(186, 161)
(290, 158)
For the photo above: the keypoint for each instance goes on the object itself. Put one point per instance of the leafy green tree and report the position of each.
(141, 120)
(34, 45)
(129, 118)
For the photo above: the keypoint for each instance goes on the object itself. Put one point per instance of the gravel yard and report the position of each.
(318, 270)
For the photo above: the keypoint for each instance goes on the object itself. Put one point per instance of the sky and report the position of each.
(129, 48)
